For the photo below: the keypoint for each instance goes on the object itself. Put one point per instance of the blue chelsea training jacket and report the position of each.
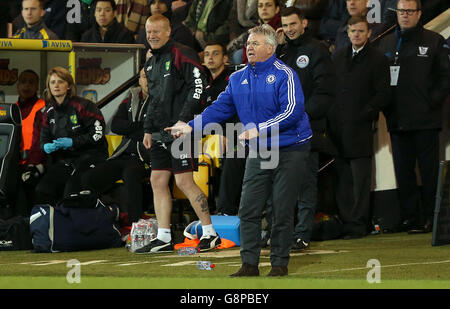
(268, 96)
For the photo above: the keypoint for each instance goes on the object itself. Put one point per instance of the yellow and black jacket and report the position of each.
(38, 31)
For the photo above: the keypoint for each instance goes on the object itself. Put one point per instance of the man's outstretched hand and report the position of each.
(179, 129)
(249, 134)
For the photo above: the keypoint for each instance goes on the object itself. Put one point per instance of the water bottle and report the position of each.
(151, 230)
(205, 265)
(187, 251)
(133, 238)
(139, 236)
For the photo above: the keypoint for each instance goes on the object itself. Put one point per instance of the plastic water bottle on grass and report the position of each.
(205, 265)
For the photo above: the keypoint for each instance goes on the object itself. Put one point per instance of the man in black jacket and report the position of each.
(176, 84)
(106, 28)
(34, 27)
(130, 161)
(420, 81)
(312, 62)
(362, 91)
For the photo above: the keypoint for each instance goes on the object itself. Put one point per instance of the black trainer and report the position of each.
(209, 243)
(300, 245)
(156, 246)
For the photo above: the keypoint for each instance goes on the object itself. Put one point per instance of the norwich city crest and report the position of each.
(74, 119)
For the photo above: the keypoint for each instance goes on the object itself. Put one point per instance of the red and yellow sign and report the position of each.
(90, 72)
(7, 77)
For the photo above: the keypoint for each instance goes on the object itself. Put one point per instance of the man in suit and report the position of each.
(362, 91)
(420, 84)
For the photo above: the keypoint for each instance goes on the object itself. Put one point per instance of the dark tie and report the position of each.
(354, 54)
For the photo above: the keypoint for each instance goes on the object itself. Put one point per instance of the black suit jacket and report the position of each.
(362, 91)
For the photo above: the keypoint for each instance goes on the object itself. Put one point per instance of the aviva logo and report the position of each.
(5, 43)
(56, 44)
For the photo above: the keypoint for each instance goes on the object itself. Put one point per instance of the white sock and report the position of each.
(208, 230)
(164, 235)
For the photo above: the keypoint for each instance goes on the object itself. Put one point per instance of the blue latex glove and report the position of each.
(63, 142)
(50, 147)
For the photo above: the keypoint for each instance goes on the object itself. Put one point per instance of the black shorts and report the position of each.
(162, 158)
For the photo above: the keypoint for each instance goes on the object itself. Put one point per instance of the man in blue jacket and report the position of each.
(267, 96)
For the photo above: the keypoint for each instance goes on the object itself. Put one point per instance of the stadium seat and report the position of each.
(208, 161)
(202, 178)
(212, 146)
(113, 142)
(10, 138)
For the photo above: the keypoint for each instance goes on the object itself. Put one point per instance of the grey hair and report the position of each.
(268, 32)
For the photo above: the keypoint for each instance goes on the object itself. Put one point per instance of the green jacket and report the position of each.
(217, 26)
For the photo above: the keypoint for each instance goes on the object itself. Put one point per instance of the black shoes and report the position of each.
(299, 245)
(278, 271)
(246, 270)
(156, 246)
(209, 243)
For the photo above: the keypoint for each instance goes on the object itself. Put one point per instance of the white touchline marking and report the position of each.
(361, 268)
(137, 263)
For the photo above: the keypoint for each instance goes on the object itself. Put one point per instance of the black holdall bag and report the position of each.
(79, 222)
(15, 234)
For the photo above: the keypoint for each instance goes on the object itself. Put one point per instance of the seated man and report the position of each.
(130, 160)
(208, 20)
(33, 13)
(33, 158)
(106, 28)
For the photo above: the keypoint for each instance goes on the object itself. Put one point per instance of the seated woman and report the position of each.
(72, 135)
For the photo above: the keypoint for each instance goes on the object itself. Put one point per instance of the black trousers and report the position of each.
(282, 183)
(307, 200)
(63, 178)
(407, 148)
(352, 188)
(127, 168)
(231, 185)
